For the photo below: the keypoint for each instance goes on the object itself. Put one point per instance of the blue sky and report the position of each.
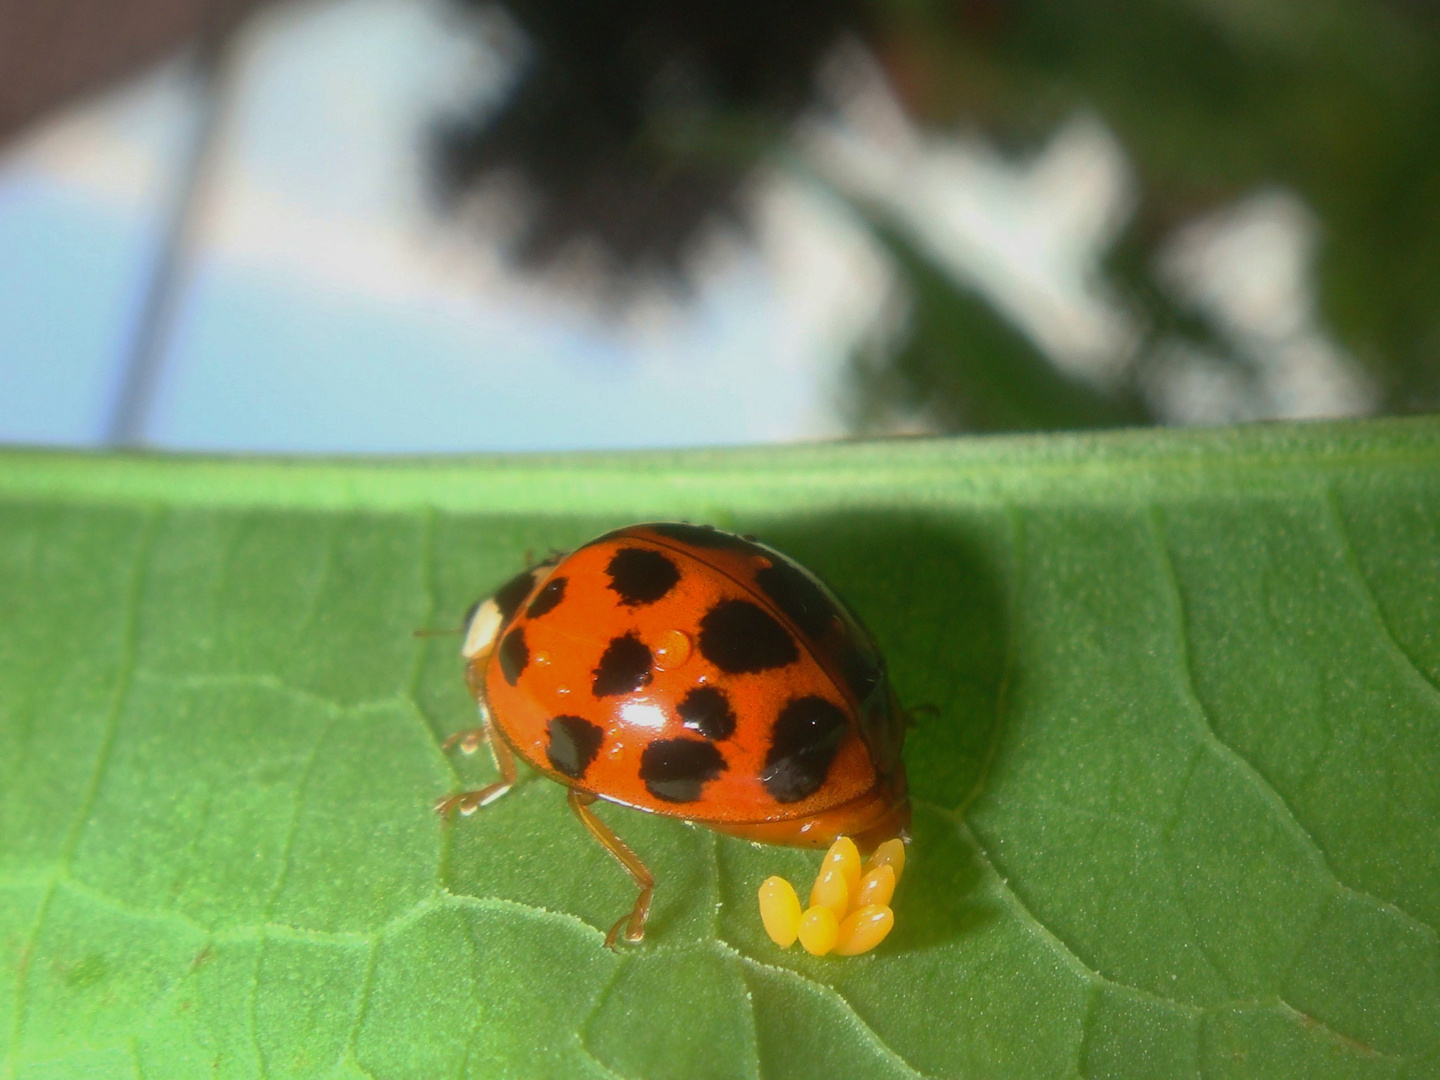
(70, 282)
(328, 308)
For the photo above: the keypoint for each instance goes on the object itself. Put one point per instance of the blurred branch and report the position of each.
(141, 368)
(55, 51)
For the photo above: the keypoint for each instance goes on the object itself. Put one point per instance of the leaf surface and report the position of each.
(1177, 809)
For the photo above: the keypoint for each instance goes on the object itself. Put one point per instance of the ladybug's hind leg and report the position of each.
(467, 802)
(633, 923)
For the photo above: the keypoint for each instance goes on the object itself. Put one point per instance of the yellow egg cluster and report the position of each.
(849, 909)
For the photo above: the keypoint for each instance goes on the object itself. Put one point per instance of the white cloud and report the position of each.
(1249, 267)
(1028, 235)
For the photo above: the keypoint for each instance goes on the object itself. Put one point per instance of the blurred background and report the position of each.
(446, 225)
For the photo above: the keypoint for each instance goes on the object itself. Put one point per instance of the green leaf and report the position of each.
(1177, 814)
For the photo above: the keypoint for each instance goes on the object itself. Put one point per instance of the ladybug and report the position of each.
(687, 671)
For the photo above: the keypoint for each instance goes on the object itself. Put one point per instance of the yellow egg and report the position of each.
(780, 911)
(862, 930)
(891, 852)
(845, 856)
(819, 930)
(831, 891)
(876, 887)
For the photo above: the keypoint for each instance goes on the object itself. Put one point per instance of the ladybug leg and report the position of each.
(469, 739)
(634, 923)
(467, 802)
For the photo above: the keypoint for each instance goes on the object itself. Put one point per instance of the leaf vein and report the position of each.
(1044, 933)
(1353, 564)
(22, 970)
(1002, 692)
(133, 600)
(254, 1009)
(1087, 1030)
(866, 1031)
(1227, 753)
(134, 597)
(602, 994)
(444, 898)
(362, 1008)
(287, 848)
(1349, 1041)
(1183, 895)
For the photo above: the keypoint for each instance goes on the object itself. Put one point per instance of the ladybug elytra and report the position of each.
(687, 671)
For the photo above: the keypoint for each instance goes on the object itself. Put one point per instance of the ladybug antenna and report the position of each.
(552, 556)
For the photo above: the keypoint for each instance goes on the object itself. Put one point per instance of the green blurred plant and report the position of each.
(635, 126)
(1214, 100)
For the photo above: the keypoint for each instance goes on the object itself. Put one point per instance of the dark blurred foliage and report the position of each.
(635, 124)
(1213, 99)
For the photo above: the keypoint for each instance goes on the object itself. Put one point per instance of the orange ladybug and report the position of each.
(687, 671)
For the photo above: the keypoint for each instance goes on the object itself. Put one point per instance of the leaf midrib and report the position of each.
(977, 470)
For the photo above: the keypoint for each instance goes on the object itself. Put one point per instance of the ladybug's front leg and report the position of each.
(634, 923)
(467, 802)
(469, 739)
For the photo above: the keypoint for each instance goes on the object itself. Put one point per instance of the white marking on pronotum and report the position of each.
(481, 631)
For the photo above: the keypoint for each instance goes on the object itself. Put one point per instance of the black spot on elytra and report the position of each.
(707, 710)
(547, 598)
(676, 770)
(511, 595)
(738, 636)
(702, 536)
(514, 655)
(573, 744)
(624, 667)
(799, 596)
(641, 575)
(803, 745)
